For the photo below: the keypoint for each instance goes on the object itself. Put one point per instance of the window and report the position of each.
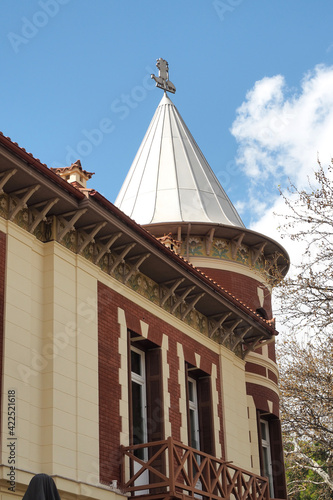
(271, 453)
(199, 411)
(139, 406)
(193, 414)
(145, 403)
(266, 454)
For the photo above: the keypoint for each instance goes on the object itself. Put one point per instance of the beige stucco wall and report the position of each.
(50, 360)
(236, 424)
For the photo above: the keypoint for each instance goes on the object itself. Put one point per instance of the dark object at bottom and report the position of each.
(41, 487)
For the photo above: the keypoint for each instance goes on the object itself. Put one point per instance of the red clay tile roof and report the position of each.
(77, 164)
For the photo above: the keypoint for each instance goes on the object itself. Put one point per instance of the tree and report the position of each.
(307, 415)
(306, 354)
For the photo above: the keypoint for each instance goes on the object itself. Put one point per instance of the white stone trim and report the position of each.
(182, 398)
(216, 418)
(123, 378)
(165, 384)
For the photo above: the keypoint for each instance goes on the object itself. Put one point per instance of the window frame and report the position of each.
(205, 408)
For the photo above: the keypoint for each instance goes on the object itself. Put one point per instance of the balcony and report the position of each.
(170, 470)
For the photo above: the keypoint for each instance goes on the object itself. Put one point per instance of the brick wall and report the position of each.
(242, 287)
(109, 362)
(109, 389)
(271, 351)
(261, 396)
(255, 368)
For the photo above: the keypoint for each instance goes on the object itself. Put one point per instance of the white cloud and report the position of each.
(280, 132)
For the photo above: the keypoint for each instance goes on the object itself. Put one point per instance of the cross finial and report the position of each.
(162, 80)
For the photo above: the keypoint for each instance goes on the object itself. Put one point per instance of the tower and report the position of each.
(172, 192)
(137, 357)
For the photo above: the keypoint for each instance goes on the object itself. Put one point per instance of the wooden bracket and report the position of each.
(89, 237)
(136, 266)
(209, 240)
(256, 251)
(120, 258)
(235, 245)
(69, 224)
(39, 216)
(20, 203)
(230, 331)
(240, 337)
(171, 291)
(190, 306)
(5, 176)
(105, 248)
(219, 323)
(182, 298)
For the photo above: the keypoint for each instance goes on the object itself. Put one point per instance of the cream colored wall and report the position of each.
(22, 338)
(51, 360)
(236, 425)
(253, 435)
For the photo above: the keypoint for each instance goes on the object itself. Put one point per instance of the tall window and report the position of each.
(146, 423)
(266, 454)
(139, 406)
(271, 453)
(199, 411)
(193, 414)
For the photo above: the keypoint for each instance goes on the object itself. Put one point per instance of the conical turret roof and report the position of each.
(170, 180)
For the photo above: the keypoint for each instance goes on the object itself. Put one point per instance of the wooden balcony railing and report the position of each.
(169, 469)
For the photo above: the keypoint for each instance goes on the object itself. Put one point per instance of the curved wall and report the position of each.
(249, 290)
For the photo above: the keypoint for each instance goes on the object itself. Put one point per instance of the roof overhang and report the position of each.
(45, 196)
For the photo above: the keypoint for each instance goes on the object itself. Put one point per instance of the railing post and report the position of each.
(122, 465)
(172, 487)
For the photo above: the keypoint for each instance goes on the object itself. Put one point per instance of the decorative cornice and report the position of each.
(95, 229)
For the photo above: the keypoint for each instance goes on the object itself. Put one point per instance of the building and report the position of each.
(136, 357)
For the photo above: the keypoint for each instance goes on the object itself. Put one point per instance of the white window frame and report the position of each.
(193, 406)
(266, 449)
(141, 380)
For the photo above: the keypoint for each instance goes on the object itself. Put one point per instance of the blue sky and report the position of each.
(254, 80)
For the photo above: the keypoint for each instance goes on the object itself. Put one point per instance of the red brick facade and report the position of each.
(254, 368)
(261, 395)
(109, 363)
(242, 287)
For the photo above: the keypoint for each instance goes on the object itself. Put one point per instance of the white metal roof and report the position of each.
(170, 180)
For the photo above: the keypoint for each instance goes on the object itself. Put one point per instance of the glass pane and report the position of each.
(190, 390)
(263, 431)
(136, 365)
(193, 430)
(138, 421)
(266, 461)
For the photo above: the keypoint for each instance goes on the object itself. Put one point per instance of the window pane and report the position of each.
(190, 391)
(138, 421)
(266, 461)
(193, 430)
(263, 431)
(136, 364)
